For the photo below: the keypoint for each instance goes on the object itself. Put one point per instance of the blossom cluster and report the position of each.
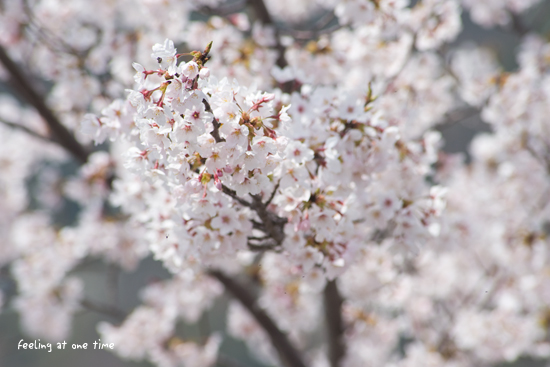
(331, 176)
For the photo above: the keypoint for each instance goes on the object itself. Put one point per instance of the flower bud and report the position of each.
(204, 73)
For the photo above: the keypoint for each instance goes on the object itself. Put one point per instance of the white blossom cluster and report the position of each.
(334, 172)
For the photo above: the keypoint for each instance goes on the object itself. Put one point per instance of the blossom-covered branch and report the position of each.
(59, 132)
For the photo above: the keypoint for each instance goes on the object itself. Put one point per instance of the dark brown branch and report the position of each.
(335, 325)
(216, 131)
(226, 190)
(273, 224)
(263, 15)
(263, 247)
(273, 194)
(288, 354)
(257, 225)
(60, 133)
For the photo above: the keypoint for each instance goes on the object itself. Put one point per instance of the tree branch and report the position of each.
(216, 131)
(27, 130)
(263, 15)
(335, 325)
(261, 247)
(231, 193)
(288, 354)
(453, 117)
(60, 133)
(272, 224)
(273, 193)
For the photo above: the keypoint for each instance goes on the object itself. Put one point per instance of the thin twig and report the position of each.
(456, 116)
(273, 193)
(27, 130)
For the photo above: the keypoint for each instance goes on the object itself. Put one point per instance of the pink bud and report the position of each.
(204, 73)
(268, 97)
